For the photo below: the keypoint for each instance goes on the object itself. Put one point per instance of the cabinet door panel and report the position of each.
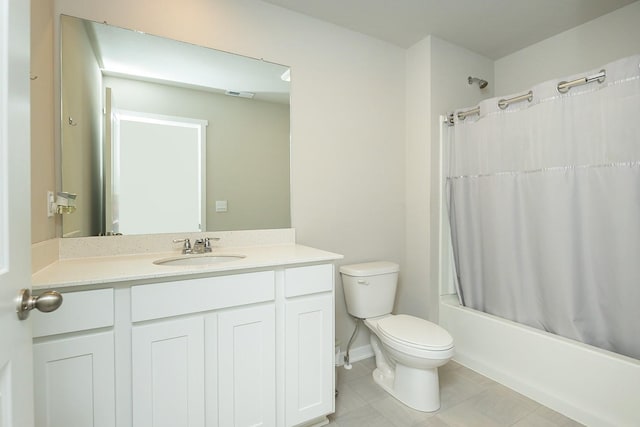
(168, 373)
(75, 384)
(246, 370)
(309, 346)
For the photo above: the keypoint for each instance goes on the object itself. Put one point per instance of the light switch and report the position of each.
(51, 204)
(221, 205)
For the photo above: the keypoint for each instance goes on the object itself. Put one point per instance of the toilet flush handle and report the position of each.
(362, 282)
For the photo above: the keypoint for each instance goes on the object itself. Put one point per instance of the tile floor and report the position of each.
(468, 399)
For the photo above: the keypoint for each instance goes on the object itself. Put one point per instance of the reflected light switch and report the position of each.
(221, 205)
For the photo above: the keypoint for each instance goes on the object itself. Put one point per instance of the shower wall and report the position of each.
(437, 73)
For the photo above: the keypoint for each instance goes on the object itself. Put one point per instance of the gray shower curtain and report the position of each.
(544, 208)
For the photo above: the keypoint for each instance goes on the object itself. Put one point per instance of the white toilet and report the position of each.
(408, 349)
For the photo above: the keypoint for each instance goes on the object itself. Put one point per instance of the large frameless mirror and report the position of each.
(163, 136)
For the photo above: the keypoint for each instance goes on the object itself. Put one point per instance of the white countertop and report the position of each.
(125, 268)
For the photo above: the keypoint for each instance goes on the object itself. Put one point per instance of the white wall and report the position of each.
(437, 83)
(347, 121)
(413, 297)
(585, 47)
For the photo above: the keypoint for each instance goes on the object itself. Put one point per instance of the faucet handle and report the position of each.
(187, 245)
(207, 243)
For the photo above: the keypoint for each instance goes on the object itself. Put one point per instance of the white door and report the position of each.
(16, 378)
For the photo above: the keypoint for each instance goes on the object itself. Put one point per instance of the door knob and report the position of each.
(47, 302)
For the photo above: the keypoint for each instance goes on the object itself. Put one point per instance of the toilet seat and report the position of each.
(413, 332)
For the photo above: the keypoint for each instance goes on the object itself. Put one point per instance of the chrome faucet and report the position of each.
(200, 246)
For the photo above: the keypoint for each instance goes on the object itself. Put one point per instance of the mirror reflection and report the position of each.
(162, 136)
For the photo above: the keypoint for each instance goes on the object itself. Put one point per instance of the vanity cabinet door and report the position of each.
(309, 358)
(246, 367)
(168, 367)
(75, 381)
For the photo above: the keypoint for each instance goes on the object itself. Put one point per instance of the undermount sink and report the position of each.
(199, 259)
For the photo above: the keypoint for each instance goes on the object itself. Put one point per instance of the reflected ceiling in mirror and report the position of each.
(162, 136)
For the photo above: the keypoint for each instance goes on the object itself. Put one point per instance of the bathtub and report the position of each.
(593, 386)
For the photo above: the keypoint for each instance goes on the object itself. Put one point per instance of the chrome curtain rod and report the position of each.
(504, 103)
(462, 115)
(562, 87)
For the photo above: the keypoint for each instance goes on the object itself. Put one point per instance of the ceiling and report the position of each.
(493, 28)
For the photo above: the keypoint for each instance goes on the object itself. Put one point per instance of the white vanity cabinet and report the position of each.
(203, 352)
(240, 349)
(309, 343)
(73, 351)
(212, 370)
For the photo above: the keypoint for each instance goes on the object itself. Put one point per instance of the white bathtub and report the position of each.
(593, 386)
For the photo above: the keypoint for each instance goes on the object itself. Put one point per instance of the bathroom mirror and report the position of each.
(162, 136)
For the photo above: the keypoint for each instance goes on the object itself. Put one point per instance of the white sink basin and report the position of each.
(200, 259)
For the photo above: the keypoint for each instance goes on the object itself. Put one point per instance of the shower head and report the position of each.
(481, 83)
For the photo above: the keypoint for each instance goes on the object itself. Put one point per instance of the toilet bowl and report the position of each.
(408, 350)
(405, 367)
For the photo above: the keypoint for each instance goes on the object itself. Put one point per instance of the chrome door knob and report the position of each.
(47, 302)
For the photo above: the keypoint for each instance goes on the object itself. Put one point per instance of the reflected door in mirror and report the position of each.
(157, 174)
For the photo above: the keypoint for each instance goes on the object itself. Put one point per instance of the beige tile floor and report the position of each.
(468, 400)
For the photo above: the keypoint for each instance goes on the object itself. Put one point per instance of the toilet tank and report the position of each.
(370, 288)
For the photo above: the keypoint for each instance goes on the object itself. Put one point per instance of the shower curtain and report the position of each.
(544, 208)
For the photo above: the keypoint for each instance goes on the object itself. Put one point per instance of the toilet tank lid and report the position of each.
(370, 268)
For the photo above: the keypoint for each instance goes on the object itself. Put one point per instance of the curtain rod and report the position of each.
(562, 87)
(504, 103)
